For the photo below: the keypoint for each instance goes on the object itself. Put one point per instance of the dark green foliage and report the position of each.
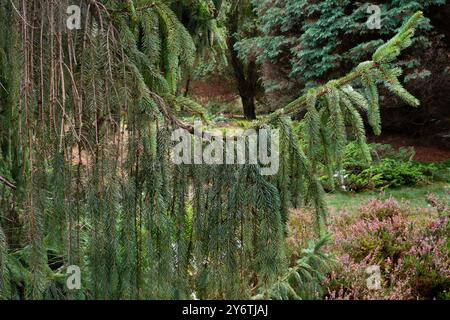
(391, 169)
(387, 174)
(4, 272)
(304, 280)
(306, 42)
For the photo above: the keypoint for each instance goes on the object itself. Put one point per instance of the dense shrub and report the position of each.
(389, 173)
(390, 169)
(411, 247)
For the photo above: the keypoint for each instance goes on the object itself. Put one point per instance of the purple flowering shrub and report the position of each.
(409, 245)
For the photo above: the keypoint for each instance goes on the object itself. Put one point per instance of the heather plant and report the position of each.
(409, 245)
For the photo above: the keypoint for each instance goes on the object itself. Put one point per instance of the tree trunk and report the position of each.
(246, 76)
(188, 84)
(248, 102)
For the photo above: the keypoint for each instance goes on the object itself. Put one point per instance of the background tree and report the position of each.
(241, 24)
(305, 43)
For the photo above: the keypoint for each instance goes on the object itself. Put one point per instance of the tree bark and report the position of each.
(248, 103)
(246, 76)
(188, 84)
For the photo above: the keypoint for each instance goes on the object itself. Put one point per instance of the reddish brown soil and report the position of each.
(214, 89)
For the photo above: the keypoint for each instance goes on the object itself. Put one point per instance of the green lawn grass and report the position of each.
(416, 196)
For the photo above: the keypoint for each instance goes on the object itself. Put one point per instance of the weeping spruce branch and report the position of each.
(378, 69)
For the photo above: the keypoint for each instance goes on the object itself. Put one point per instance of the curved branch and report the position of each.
(7, 183)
